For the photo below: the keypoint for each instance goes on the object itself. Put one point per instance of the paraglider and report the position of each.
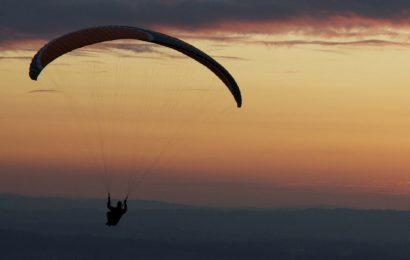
(78, 39)
(85, 37)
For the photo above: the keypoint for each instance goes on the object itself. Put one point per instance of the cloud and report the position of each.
(39, 91)
(224, 57)
(15, 58)
(132, 47)
(128, 50)
(376, 43)
(31, 20)
(149, 48)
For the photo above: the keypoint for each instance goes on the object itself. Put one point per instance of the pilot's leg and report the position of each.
(109, 218)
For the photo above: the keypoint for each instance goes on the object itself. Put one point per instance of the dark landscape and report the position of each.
(56, 228)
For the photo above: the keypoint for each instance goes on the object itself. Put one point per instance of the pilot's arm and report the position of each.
(109, 202)
(125, 204)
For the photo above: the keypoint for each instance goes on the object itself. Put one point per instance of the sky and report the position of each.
(325, 116)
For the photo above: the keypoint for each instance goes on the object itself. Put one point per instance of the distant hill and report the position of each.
(59, 228)
(19, 202)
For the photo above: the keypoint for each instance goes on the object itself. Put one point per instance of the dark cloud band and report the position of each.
(27, 19)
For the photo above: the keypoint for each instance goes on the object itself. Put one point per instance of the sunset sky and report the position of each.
(325, 117)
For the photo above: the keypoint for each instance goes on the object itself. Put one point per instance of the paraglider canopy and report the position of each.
(81, 38)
